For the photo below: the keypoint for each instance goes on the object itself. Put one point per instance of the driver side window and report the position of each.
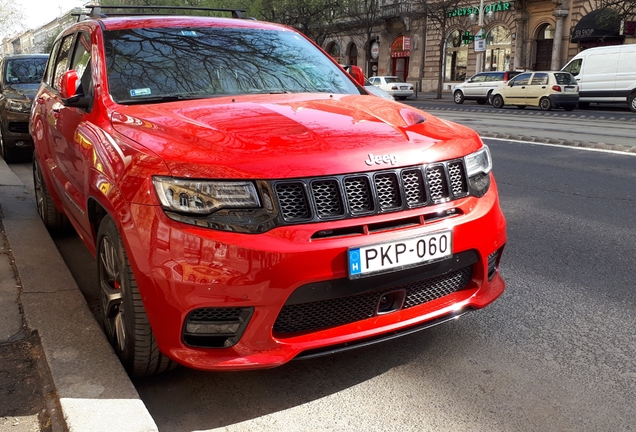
(82, 63)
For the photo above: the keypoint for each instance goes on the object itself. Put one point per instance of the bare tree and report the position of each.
(10, 18)
(315, 18)
(364, 16)
(441, 15)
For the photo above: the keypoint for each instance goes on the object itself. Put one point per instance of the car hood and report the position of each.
(21, 91)
(286, 136)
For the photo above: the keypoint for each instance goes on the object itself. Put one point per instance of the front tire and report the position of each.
(458, 97)
(122, 312)
(545, 104)
(497, 101)
(631, 100)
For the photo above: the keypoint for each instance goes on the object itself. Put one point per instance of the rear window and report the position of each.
(564, 78)
(158, 64)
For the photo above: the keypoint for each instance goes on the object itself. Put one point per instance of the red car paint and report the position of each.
(106, 158)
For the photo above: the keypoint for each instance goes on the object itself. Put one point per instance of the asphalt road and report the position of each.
(613, 127)
(556, 352)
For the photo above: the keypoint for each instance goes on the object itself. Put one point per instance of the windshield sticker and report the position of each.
(140, 92)
(188, 33)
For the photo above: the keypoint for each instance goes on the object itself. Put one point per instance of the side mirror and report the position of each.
(511, 83)
(68, 84)
(68, 91)
(357, 74)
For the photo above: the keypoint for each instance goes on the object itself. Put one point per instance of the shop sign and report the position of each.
(474, 10)
(396, 54)
(401, 47)
(375, 50)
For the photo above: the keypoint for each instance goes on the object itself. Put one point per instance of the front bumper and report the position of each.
(15, 130)
(181, 268)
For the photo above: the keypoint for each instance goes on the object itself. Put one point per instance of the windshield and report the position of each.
(167, 63)
(25, 70)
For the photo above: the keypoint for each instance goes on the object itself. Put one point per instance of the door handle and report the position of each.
(542, 86)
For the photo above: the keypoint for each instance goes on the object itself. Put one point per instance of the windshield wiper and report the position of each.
(160, 99)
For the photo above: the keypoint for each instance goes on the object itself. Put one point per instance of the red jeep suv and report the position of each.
(247, 201)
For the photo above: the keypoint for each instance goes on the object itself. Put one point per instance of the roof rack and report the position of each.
(97, 11)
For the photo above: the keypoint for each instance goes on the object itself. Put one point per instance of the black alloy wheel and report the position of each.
(123, 315)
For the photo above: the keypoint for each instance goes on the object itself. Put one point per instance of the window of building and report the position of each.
(498, 49)
(456, 58)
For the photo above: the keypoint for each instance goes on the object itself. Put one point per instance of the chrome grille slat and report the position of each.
(348, 196)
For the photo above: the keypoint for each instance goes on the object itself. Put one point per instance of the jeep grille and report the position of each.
(340, 197)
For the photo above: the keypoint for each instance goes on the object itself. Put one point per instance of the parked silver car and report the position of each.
(480, 86)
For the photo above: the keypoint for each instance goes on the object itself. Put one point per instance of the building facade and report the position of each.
(516, 35)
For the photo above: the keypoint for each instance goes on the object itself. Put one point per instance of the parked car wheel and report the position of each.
(54, 220)
(497, 101)
(8, 154)
(489, 97)
(458, 97)
(632, 102)
(123, 315)
(545, 104)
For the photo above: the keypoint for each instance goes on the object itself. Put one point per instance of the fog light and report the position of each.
(216, 327)
(479, 184)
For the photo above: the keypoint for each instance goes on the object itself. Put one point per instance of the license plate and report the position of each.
(569, 89)
(404, 87)
(399, 254)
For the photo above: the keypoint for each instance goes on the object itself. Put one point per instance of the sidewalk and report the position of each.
(49, 340)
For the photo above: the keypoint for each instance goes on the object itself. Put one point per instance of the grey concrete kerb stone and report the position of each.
(94, 391)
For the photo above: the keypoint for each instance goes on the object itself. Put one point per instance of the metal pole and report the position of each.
(480, 55)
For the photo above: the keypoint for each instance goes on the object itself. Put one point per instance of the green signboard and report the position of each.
(474, 10)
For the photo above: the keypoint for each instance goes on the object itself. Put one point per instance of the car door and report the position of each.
(70, 131)
(536, 88)
(474, 86)
(515, 93)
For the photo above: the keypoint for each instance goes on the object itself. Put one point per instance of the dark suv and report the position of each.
(248, 202)
(479, 87)
(21, 75)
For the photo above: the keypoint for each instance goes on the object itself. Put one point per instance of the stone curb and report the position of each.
(94, 392)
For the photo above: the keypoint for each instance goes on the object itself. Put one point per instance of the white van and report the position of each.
(605, 74)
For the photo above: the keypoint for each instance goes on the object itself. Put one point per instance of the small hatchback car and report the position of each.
(545, 90)
(247, 202)
(20, 79)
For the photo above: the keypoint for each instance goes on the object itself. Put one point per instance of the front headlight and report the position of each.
(202, 197)
(18, 106)
(479, 162)
(478, 167)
